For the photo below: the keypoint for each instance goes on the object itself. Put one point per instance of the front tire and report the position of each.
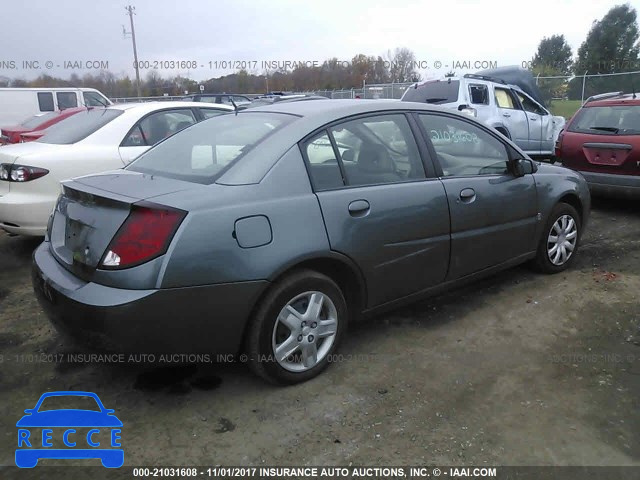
(297, 328)
(559, 241)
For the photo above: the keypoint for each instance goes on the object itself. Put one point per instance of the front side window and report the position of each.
(504, 98)
(200, 153)
(464, 149)
(93, 99)
(378, 150)
(210, 112)
(530, 106)
(45, 101)
(66, 100)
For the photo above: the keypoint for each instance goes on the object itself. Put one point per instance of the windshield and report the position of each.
(608, 120)
(65, 402)
(436, 92)
(33, 122)
(199, 153)
(79, 126)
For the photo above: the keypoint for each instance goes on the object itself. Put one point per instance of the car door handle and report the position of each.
(359, 208)
(506, 114)
(533, 118)
(468, 195)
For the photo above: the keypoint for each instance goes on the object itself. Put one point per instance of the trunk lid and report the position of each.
(613, 154)
(91, 209)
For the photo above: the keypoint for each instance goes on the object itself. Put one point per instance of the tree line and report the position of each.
(398, 65)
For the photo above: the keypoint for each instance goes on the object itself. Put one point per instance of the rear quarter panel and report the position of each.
(206, 251)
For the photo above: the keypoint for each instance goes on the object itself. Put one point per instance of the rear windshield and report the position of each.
(437, 92)
(608, 120)
(79, 126)
(200, 153)
(33, 122)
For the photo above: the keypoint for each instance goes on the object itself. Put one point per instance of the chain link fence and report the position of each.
(581, 87)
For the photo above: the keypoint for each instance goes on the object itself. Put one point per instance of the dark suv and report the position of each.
(602, 141)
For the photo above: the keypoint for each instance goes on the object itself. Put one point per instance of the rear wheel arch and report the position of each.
(338, 268)
(342, 271)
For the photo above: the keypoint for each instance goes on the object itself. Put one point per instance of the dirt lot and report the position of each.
(520, 369)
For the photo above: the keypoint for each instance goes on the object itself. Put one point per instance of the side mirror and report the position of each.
(29, 411)
(523, 166)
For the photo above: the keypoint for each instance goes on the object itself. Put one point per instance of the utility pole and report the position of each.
(131, 11)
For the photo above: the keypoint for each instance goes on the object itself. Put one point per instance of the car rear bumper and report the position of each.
(204, 319)
(615, 185)
(25, 213)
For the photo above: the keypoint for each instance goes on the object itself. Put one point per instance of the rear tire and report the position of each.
(296, 328)
(559, 240)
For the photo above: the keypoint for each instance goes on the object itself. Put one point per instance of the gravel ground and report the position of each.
(518, 369)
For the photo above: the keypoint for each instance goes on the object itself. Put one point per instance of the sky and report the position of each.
(206, 39)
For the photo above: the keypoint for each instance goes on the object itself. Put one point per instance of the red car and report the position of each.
(602, 141)
(36, 123)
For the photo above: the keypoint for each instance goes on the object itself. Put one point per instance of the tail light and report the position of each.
(145, 235)
(558, 146)
(20, 173)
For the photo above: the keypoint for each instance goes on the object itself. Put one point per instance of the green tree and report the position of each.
(553, 56)
(611, 46)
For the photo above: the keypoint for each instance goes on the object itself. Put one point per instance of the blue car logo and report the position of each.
(69, 433)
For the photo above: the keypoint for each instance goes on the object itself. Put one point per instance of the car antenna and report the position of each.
(235, 107)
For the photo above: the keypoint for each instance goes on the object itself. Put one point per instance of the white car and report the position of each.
(89, 142)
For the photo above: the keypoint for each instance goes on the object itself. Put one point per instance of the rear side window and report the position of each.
(608, 120)
(436, 92)
(66, 100)
(79, 126)
(200, 153)
(324, 168)
(45, 101)
(479, 94)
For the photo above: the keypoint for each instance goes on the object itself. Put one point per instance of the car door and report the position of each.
(379, 207)
(540, 124)
(513, 117)
(493, 212)
(152, 129)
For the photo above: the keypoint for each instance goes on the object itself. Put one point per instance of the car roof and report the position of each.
(626, 99)
(151, 106)
(312, 116)
(334, 109)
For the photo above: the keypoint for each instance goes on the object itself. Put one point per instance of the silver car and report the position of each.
(267, 231)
